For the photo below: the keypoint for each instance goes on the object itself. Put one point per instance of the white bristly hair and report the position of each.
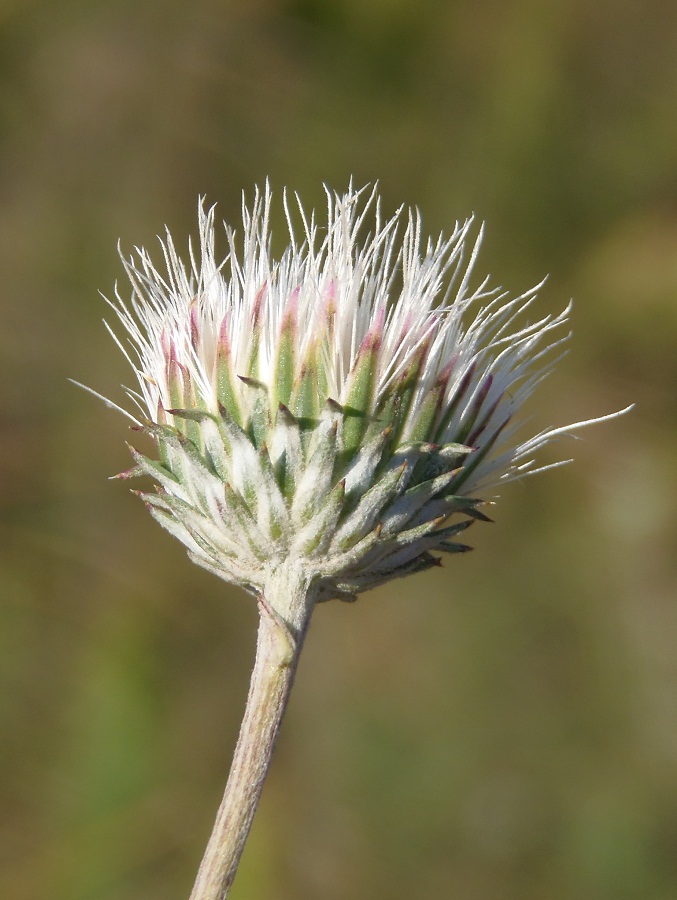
(344, 287)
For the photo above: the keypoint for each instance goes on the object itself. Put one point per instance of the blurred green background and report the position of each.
(504, 728)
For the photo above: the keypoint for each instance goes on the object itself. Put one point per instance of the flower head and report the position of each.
(344, 408)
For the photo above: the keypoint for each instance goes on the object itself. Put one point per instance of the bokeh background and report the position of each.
(504, 728)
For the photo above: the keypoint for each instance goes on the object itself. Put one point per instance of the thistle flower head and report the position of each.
(345, 408)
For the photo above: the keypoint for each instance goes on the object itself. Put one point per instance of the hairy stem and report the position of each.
(284, 613)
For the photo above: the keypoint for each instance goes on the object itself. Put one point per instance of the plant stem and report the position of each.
(284, 613)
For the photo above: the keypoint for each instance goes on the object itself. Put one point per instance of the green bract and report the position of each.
(343, 409)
